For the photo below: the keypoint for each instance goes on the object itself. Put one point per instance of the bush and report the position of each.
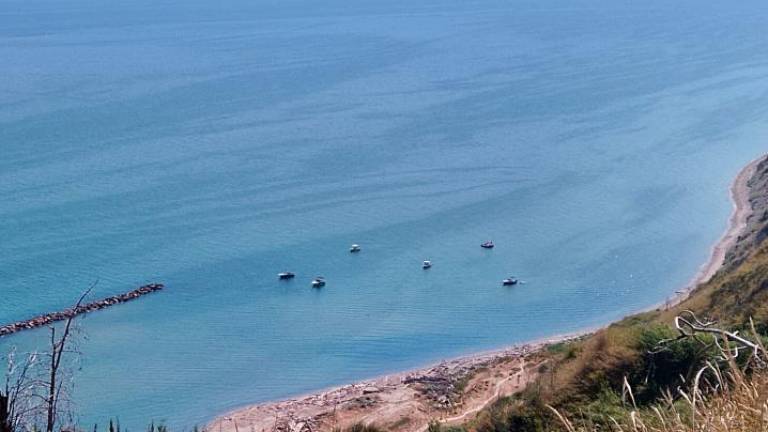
(668, 366)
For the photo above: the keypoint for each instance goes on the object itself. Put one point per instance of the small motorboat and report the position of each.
(354, 248)
(510, 281)
(285, 275)
(426, 264)
(318, 282)
(487, 245)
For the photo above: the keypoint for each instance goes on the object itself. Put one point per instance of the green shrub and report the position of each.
(666, 366)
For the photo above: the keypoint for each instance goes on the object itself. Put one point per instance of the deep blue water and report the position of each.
(210, 145)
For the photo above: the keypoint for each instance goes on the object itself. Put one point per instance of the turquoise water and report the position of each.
(210, 145)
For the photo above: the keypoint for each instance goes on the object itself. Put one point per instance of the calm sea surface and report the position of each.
(209, 145)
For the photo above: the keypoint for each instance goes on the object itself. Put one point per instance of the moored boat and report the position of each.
(510, 281)
(285, 275)
(487, 245)
(426, 264)
(318, 282)
(354, 248)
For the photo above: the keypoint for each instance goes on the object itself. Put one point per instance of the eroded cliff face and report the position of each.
(757, 223)
(739, 292)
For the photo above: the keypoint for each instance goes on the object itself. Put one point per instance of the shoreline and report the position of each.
(300, 411)
(289, 415)
(737, 223)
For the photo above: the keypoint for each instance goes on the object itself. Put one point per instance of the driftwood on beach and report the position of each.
(44, 320)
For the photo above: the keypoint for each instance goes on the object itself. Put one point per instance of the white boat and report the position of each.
(318, 282)
(354, 248)
(426, 264)
(510, 281)
(285, 275)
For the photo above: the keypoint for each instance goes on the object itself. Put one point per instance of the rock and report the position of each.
(370, 389)
(66, 314)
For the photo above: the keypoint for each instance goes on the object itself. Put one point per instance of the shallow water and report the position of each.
(210, 146)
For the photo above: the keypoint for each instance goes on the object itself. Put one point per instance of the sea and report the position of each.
(209, 145)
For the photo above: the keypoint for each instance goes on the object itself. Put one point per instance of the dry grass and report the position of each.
(733, 295)
(714, 401)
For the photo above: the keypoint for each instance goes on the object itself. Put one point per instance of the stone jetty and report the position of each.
(44, 320)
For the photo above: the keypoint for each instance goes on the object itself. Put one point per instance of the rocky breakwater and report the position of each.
(50, 318)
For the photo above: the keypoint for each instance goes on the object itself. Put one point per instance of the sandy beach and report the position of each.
(404, 401)
(455, 389)
(737, 223)
(736, 226)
